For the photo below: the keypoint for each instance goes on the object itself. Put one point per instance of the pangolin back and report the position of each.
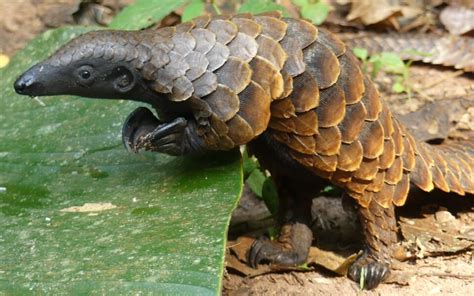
(299, 84)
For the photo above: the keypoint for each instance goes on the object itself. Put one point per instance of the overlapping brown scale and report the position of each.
(235, 73)
(255, 107)
(332, 41)
(351, 79)
(408, 155)
(271, 50)
(265, 74)
(224, 102)
(283, 108)
(377, 183)
(243, 46)
(363, 200)
(387, 123)
(325, 163)
(353, 122)
(217, 56)
(388, 155)
(420, 175)
(239, 130)
(205, 40)
(165, 32)
(438, 179)
(322, 64)
(371, 100)
(182, 89)
(394, 173)
(367, 170)
(201, 21)
(201, 110)
(356, 185)
(305, 95)
(384, 197)
(272, 27)
(401, 191)
(294, 64)
(198, 64)
(287, 85)
(248, 26)
(371, 138)
(305, 32)
(184, 43)
(274, 13)
(397, 138)
(328, 141)
(184, 27)
(205, 84)
(453, 182)
(340, 177)
(302, 144)
(331, 109)
(160, 58)
(305, 124)
(350, 156)
(224, 30)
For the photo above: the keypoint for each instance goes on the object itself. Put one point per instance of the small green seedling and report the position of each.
(314, 10)
(388, 62)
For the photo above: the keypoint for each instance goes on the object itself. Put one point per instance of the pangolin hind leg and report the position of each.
(295, 238)
(380, 236)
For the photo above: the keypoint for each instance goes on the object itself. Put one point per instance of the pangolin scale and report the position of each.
(294, 93)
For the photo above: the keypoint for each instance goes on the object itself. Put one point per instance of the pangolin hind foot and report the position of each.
(294, 93)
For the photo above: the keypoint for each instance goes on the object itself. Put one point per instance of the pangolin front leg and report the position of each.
(143, 131)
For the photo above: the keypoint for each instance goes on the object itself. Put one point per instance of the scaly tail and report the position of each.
(428, 48)
(449, 167)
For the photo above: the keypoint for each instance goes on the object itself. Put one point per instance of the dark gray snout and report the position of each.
(29, 83)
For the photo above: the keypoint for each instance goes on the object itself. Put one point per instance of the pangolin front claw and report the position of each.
(137, 125)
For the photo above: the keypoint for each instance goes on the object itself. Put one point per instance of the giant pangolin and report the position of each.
(290, 91)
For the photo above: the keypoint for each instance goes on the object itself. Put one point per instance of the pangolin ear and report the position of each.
(125, 79)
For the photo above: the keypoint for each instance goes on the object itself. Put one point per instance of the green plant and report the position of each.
(314, 10)
(260, 183)
(164, 224)
(388, 62)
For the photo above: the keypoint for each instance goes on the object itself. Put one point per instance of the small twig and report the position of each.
(39, 101)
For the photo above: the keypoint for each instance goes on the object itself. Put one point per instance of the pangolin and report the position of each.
(294, 93)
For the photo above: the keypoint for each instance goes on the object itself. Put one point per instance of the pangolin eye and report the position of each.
(85, 74)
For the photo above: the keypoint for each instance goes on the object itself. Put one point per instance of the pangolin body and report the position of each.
(296, 95)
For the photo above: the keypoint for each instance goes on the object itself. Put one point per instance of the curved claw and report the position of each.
(264, 250)
(137, 125)
(372, 271)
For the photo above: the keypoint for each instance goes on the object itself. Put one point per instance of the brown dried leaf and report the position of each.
(457, 19)
(436, 233)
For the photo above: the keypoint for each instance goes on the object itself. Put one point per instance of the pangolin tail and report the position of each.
(448, 167)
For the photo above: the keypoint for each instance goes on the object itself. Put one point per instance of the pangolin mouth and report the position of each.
(138, 124)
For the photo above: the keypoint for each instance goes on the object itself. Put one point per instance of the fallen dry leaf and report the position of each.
(373, 11)
(457, 19)
(436, 233)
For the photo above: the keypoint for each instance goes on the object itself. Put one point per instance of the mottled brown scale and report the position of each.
(331, 109)
(235, 73)
(305, 94)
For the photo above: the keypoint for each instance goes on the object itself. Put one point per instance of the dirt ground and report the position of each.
(444, 94)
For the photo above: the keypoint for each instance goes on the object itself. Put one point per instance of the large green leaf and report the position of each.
(144, 13)
(167, 231)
